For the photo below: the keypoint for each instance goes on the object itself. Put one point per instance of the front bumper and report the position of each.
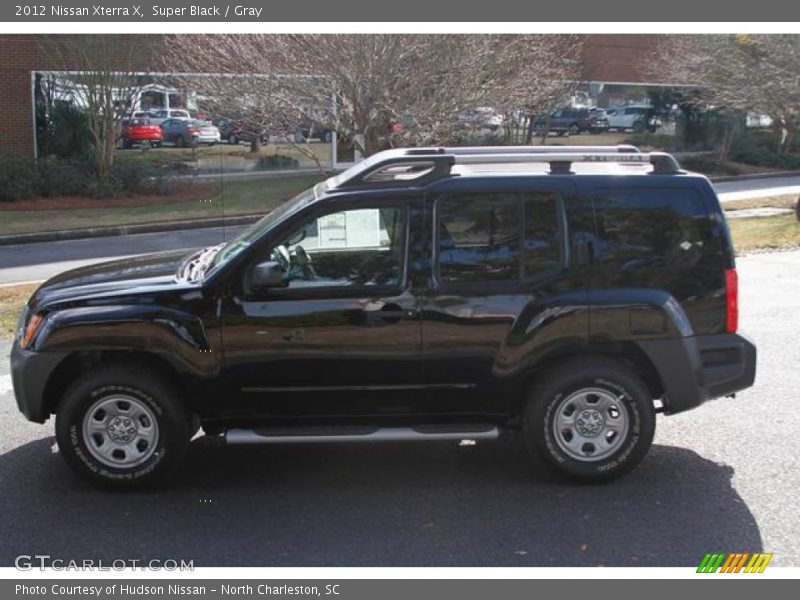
(30, 372)
(698, 368)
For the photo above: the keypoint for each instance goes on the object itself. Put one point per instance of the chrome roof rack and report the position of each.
(419, 166)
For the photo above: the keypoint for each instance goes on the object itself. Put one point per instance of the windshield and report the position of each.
(245, 239)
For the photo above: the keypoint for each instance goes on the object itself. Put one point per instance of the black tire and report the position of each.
(180, 142)
(638, 127)
(143, 385)
(155, 144)
(574, 129)
(233, 140)
(555, 390)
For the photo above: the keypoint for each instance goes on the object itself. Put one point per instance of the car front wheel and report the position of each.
(590, 419)
(122, 427)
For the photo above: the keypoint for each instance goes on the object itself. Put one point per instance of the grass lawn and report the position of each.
(239, 197)
(764, 233)
(12, 299)
(784, 201)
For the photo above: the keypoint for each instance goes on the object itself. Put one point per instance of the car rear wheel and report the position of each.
(122, 426)
(574, 129)
(233, 139)
(590, 419)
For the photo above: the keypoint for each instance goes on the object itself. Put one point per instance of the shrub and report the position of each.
(479, 138)
(65, 177)
(707, 166)
(135, 176)
(277, 161)
(22, 178)
(70, 132)
(18, 178)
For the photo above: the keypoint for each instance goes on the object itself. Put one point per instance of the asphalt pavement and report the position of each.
(723, 478)
(750, 188)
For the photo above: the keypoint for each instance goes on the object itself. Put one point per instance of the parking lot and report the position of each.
(721, 478)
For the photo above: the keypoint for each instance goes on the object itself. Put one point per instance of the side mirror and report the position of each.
(266, 275)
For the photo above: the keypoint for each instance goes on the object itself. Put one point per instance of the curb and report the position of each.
(95, 232)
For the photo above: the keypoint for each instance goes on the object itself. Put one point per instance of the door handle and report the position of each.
(388, 314)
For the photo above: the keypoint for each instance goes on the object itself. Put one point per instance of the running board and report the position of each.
(306, 435)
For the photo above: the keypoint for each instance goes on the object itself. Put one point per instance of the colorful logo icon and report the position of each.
(737, 562)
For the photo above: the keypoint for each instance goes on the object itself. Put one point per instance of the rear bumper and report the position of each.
(699, 368)
(144, 137)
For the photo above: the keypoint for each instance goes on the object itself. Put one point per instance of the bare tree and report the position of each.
(233, 77)
(102, 74)
(379, 90)
(411, 89)
(741, 73)
(531, 75)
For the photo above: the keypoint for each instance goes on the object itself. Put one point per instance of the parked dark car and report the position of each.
(307, 130)
(572, 121)
(236, 131)
(416, 296)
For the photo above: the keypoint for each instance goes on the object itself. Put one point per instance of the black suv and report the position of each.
(424, 294)
(572, 121)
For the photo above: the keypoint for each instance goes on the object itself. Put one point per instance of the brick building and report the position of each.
(612, 61)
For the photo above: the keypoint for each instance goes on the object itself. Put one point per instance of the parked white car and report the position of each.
(482, 117)
(157, 117)
(631, 117)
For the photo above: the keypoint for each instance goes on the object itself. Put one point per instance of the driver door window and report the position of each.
(362, 247)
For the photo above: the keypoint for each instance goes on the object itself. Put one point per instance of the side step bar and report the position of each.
(306, 435)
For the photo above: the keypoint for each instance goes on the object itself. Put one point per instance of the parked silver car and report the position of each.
(189, 133)
(158, 116)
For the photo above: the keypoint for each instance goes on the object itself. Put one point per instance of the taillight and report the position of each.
(193, 130)
(731, 301)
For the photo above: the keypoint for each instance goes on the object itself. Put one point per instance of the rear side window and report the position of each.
(479, 237)
(498, 236)
(639, 227)
(544, 231)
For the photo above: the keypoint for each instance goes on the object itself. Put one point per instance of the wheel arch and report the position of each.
(79, 362)
(627, 353)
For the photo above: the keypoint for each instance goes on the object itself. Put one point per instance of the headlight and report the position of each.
(30, 331)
